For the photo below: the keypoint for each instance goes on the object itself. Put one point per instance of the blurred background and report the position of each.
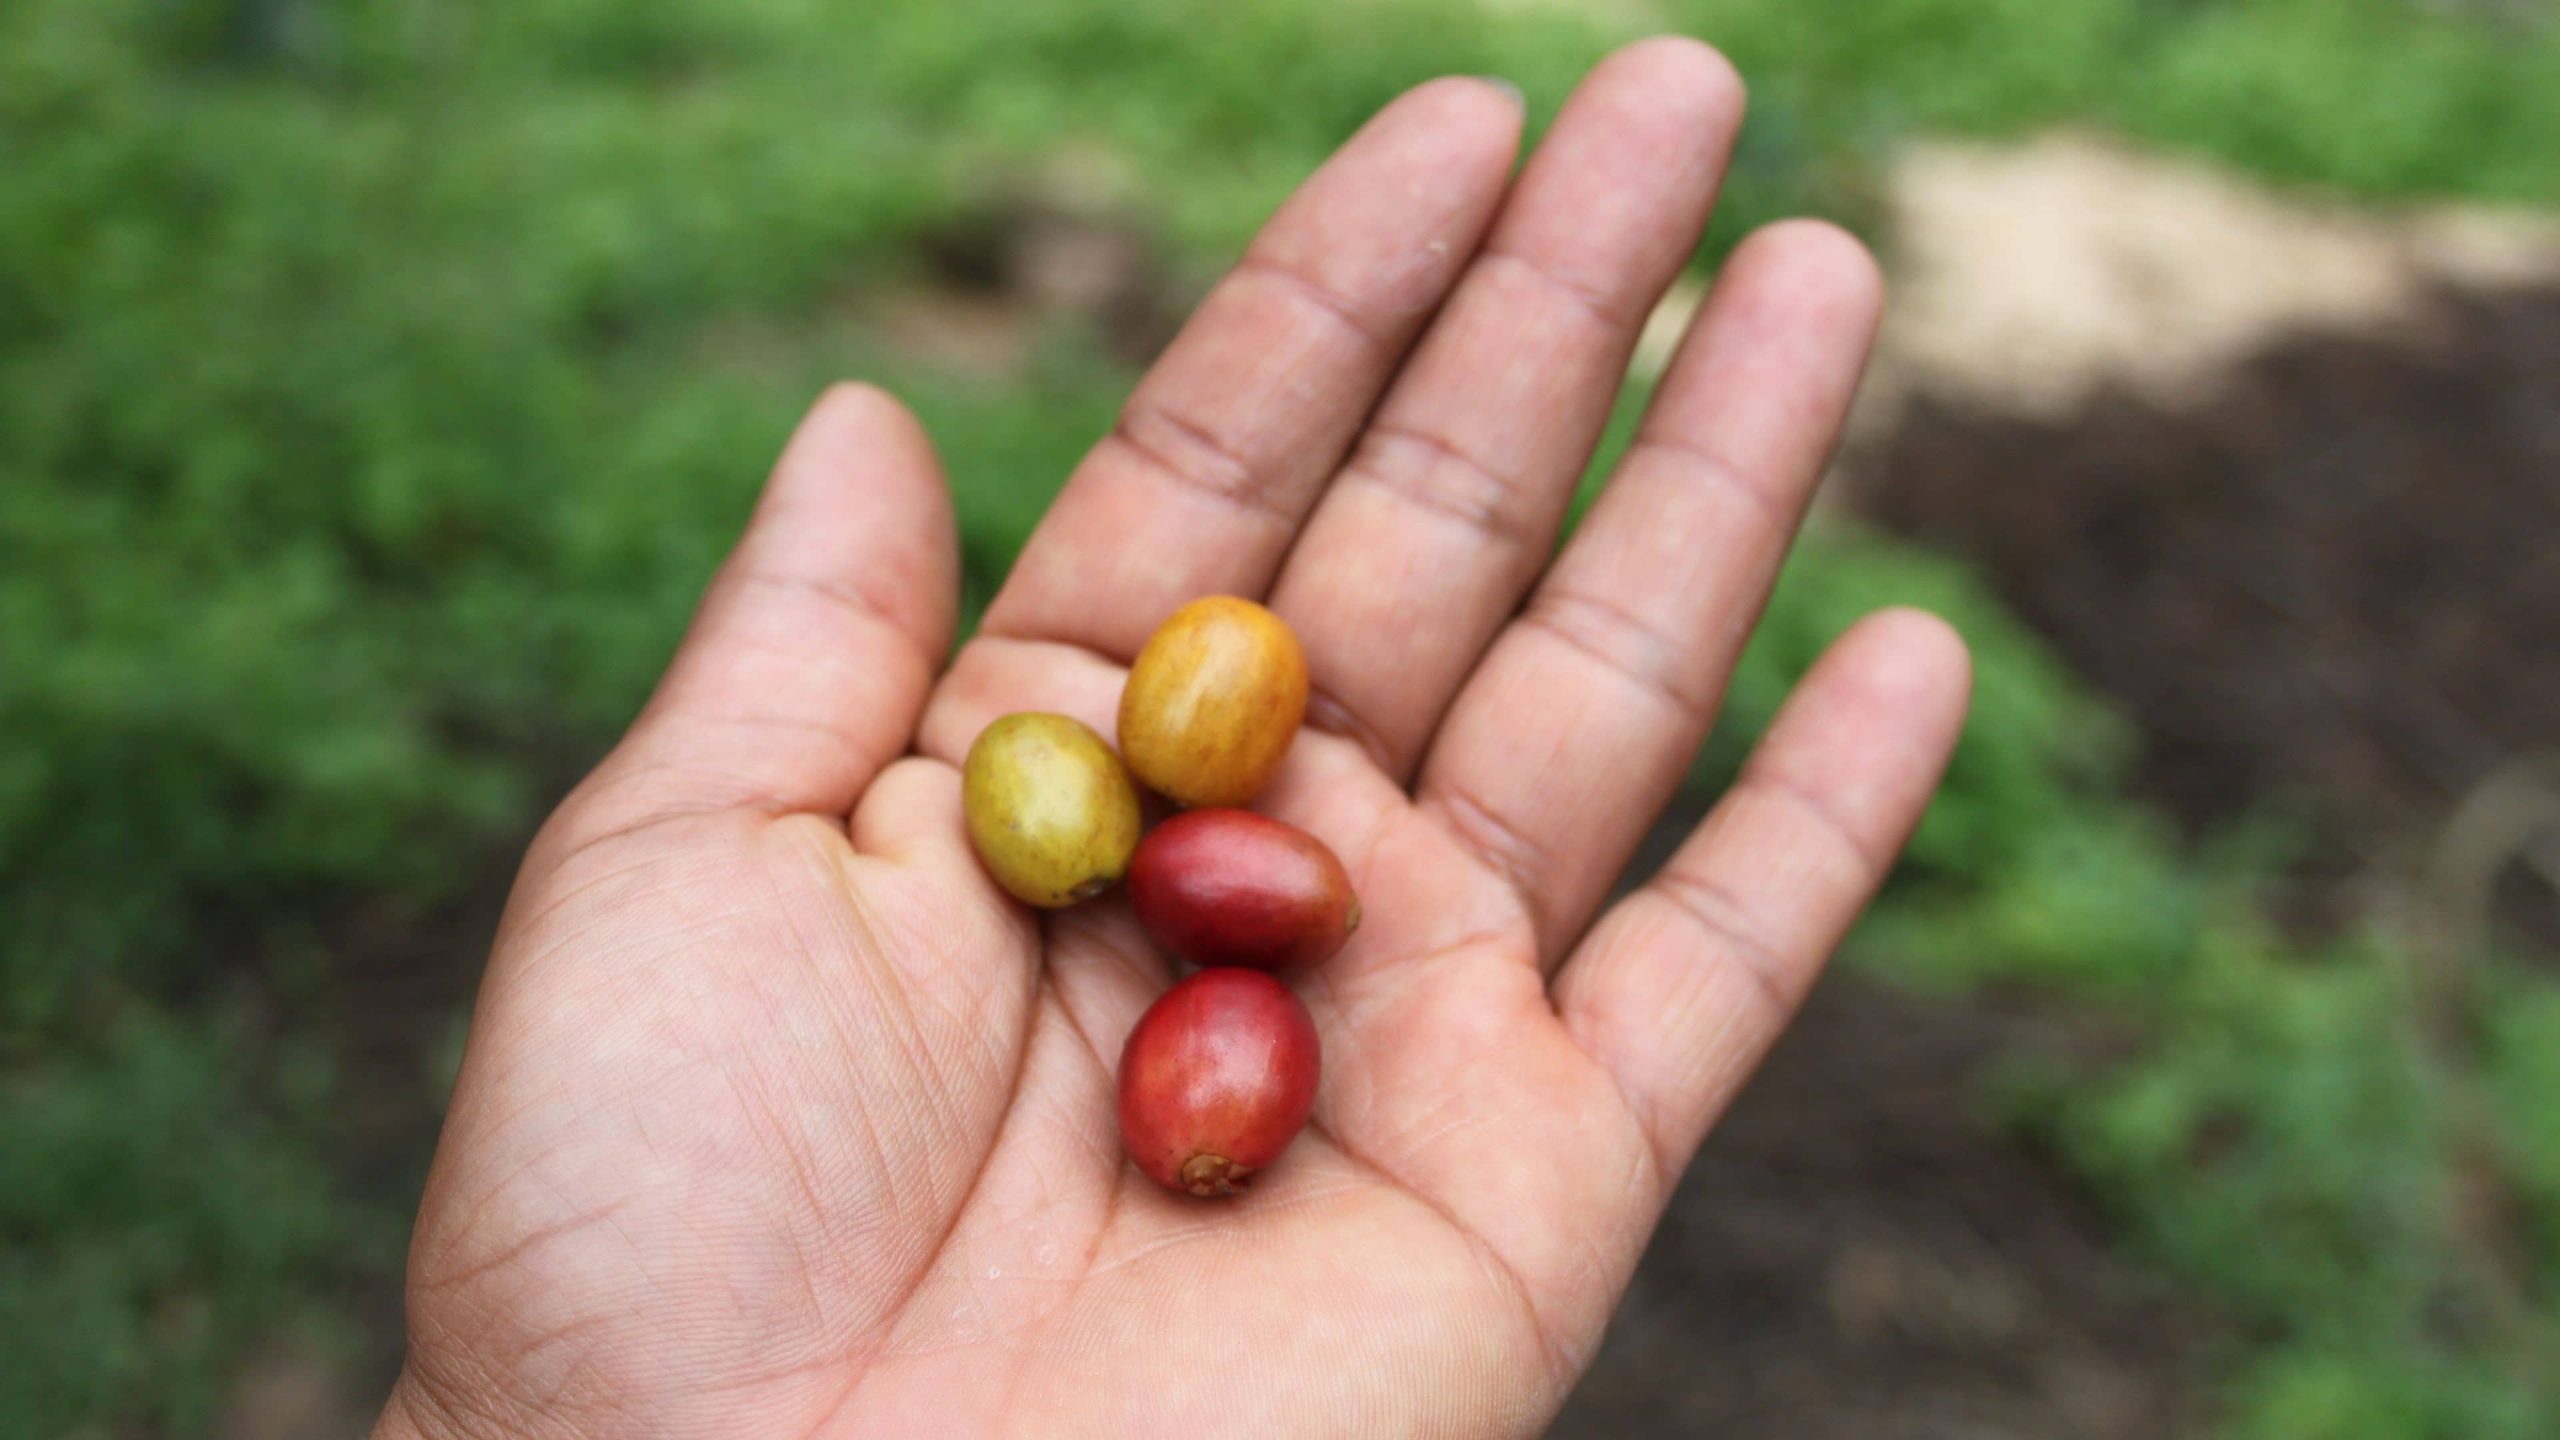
(381, 379)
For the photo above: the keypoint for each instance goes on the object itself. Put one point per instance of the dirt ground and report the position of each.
(2280, 479)
(2337, 581)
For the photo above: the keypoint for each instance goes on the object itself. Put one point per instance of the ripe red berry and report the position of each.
(1216, 1080)
(1229, 887)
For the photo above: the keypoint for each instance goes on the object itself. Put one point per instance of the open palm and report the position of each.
(778, 1119)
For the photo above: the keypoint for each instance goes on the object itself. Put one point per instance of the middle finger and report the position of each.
(1449, 506)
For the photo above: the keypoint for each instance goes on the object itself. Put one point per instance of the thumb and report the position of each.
(809, 661)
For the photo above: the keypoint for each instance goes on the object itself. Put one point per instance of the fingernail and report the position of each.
(1505, 86)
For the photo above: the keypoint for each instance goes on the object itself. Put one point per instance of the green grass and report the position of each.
(155, 1198)
(380, 380)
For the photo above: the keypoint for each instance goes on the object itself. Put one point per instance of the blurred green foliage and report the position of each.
(380, 379)
(154, 1199)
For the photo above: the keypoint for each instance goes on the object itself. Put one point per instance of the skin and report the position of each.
(1213, 700)
(1050, 810)
(778, 1118)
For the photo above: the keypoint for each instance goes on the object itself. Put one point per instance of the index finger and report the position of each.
(1201, 485)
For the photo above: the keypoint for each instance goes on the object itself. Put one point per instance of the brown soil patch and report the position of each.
(2336, 583)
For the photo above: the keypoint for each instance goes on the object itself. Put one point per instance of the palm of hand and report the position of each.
(778, 1124)
(856, 1158)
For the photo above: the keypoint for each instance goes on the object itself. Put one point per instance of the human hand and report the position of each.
(779, 1123)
